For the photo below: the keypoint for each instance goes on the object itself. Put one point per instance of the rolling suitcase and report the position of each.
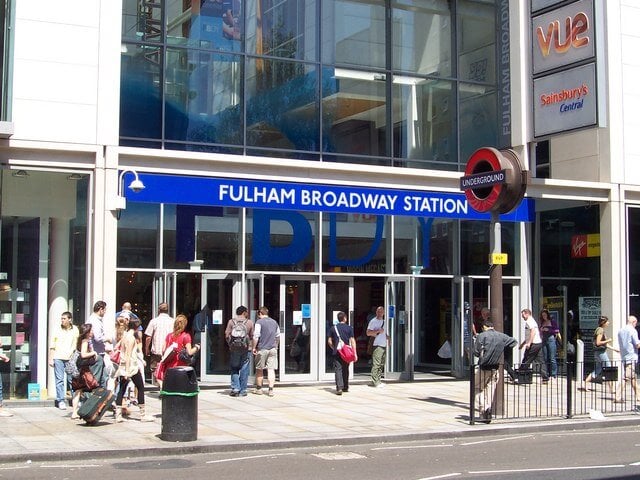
(93, 408)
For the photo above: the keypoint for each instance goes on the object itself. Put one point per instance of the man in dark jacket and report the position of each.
(489, 348)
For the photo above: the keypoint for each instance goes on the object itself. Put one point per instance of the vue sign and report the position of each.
(563, 36)
(573, 35)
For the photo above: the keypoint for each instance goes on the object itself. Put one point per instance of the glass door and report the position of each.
(221, 294)
(400, 327)
(338, 295)
(299, 329)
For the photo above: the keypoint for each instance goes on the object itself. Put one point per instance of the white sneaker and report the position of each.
(380, 385)
(4, 413)
(62, 405)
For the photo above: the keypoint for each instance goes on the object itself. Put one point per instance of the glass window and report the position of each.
(354, 113)
(285, 29)
(562, 229)
(353, 33)
(202, 97)
(476, 40)
(423, 245)
(354, 243)
(140, 95)
(422, 37)
(138, 235)
(282, 105)
(634, 259)
(478, 119)
(209, 235)
(141, 21)
(211, 24)
(475, 246)
(281, 240)
(424, 130)
(218, 238)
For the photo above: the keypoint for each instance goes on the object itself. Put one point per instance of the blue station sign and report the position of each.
(223, 192)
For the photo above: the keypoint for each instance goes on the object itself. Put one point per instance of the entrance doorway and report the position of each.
(338, 295)
(222, 294)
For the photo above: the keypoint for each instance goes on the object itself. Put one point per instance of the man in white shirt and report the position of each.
(377, 330)
(629, 344)
(156, 333)
(532, 345)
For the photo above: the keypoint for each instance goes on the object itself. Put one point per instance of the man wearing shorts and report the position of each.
(266, 337)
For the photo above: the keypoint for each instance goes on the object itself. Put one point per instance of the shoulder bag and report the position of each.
(345, 350)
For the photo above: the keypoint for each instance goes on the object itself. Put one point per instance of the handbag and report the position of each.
(86, 362)
(345, 351)
(71, 367)
(114, 355)
(85, 381)
(184, 356)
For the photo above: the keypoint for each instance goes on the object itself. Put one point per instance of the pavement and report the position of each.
(297, 415)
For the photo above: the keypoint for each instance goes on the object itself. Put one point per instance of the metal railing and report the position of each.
(519, 393)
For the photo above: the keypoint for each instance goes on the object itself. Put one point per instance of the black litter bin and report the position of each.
(179, 405)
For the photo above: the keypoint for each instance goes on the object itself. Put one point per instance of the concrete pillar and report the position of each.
(58, 284)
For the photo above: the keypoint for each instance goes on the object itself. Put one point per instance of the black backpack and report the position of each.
(239, 338)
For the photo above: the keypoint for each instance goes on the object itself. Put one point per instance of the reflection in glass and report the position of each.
(476, 41)
(354, 113)
(212, 24)
(285, 29)
(282, 105)
(423, 245)
(281, 240)
(478, 119)
(140, 96)
(354, 243)
(353, 33)
(422, 40)
(474, 247)
(138, 235)
(202, 97)
(424, 122)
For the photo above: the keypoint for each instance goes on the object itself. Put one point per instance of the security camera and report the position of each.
(136, 186)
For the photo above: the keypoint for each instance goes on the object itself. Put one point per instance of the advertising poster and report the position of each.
(589, 309)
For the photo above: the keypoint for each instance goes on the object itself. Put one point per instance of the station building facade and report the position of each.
(306, 156)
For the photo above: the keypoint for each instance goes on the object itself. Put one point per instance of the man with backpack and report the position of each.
(239, 333)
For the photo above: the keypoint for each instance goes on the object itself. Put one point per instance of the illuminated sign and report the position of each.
(222, 192)
(565, 100)
(563, 36)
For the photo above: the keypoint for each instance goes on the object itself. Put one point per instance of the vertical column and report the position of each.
(613, 271)
(58, 282)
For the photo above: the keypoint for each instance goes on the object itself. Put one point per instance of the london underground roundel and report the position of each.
(493, 180)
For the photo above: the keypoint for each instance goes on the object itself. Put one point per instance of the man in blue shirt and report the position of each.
(629, 344)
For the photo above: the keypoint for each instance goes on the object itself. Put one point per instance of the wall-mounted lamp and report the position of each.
(136, 186)
(20, 174)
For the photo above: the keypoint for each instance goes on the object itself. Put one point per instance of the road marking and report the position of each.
(414, 446)
(338, 456)
(69, 466)
(251, 457)
(635, 464)
(496, 440)
(552, 469)
(15, 468)
(441, 476)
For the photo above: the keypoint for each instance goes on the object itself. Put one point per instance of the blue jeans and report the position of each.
(550, 351)
(601, 359)
(58, 370)
(239, 364)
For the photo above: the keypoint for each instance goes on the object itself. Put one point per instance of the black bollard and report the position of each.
(179, 405)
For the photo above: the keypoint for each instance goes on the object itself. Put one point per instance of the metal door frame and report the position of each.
(407, 372)
(322, 361)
